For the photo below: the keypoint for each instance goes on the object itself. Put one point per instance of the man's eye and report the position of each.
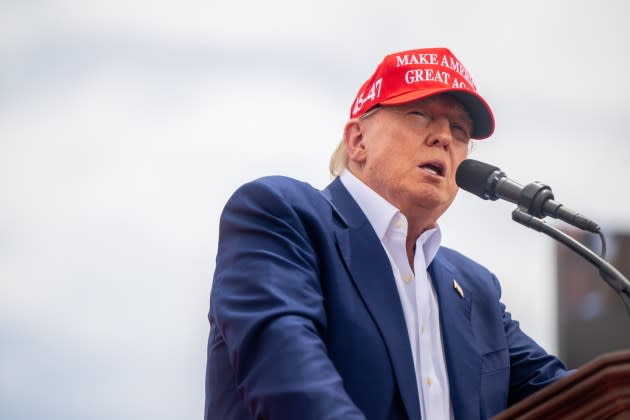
(419, 114)
(459, 128)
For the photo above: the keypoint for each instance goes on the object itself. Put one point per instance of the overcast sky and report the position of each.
(125, 126)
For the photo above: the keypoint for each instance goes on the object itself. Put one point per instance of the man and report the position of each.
(341, 304)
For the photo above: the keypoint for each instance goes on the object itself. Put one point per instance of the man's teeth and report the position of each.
(432, 169)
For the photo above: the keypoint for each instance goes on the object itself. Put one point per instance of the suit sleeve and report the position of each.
(531, 367)
(267, 304)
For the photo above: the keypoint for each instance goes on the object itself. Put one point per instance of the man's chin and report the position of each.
(430, 197)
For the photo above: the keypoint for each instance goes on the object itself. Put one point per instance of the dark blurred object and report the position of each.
(592, 319)
(599, 390)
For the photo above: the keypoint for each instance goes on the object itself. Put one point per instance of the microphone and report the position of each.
(490, 183)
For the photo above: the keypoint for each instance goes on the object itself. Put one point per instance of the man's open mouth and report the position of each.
(434, 168)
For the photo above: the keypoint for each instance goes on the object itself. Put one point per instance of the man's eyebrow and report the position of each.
(459, 113)
(463, 114)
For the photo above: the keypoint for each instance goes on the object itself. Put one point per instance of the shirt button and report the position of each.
(407, 278)
(422, 329)
(398, 224)
(429, 381)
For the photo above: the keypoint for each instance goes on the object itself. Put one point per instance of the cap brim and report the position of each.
(476, 106)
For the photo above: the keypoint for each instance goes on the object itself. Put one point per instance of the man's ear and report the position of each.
(354, 139)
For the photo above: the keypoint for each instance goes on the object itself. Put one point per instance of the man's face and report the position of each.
(409, 153)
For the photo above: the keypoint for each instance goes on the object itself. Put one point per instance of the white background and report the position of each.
(125, 126)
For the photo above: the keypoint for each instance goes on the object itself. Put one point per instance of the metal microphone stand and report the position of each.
(610, 274)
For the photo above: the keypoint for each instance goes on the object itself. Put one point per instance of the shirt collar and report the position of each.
(382, 214)
(378, 211)
(430, 241)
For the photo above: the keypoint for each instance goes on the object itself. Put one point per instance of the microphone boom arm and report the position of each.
(609, 274)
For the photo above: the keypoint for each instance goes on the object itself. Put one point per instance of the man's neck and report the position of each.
(419, 219)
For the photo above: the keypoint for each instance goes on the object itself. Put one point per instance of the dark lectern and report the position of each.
(598, 390)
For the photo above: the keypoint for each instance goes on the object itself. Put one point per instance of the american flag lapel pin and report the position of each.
(458, 288)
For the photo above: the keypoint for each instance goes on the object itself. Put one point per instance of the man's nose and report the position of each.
(440, 132)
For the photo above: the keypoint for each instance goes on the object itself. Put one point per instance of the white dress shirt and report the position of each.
(417, 294)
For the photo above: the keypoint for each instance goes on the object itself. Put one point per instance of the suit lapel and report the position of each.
(372, 275)
(463, 361)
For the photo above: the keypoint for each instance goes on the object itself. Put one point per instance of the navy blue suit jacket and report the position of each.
(306, 320)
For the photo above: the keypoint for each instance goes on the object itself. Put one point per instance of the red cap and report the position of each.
(416, 74)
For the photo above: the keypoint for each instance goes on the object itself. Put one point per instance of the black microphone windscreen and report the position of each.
(472, 176)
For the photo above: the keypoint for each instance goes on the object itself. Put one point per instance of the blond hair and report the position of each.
(338, 160)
